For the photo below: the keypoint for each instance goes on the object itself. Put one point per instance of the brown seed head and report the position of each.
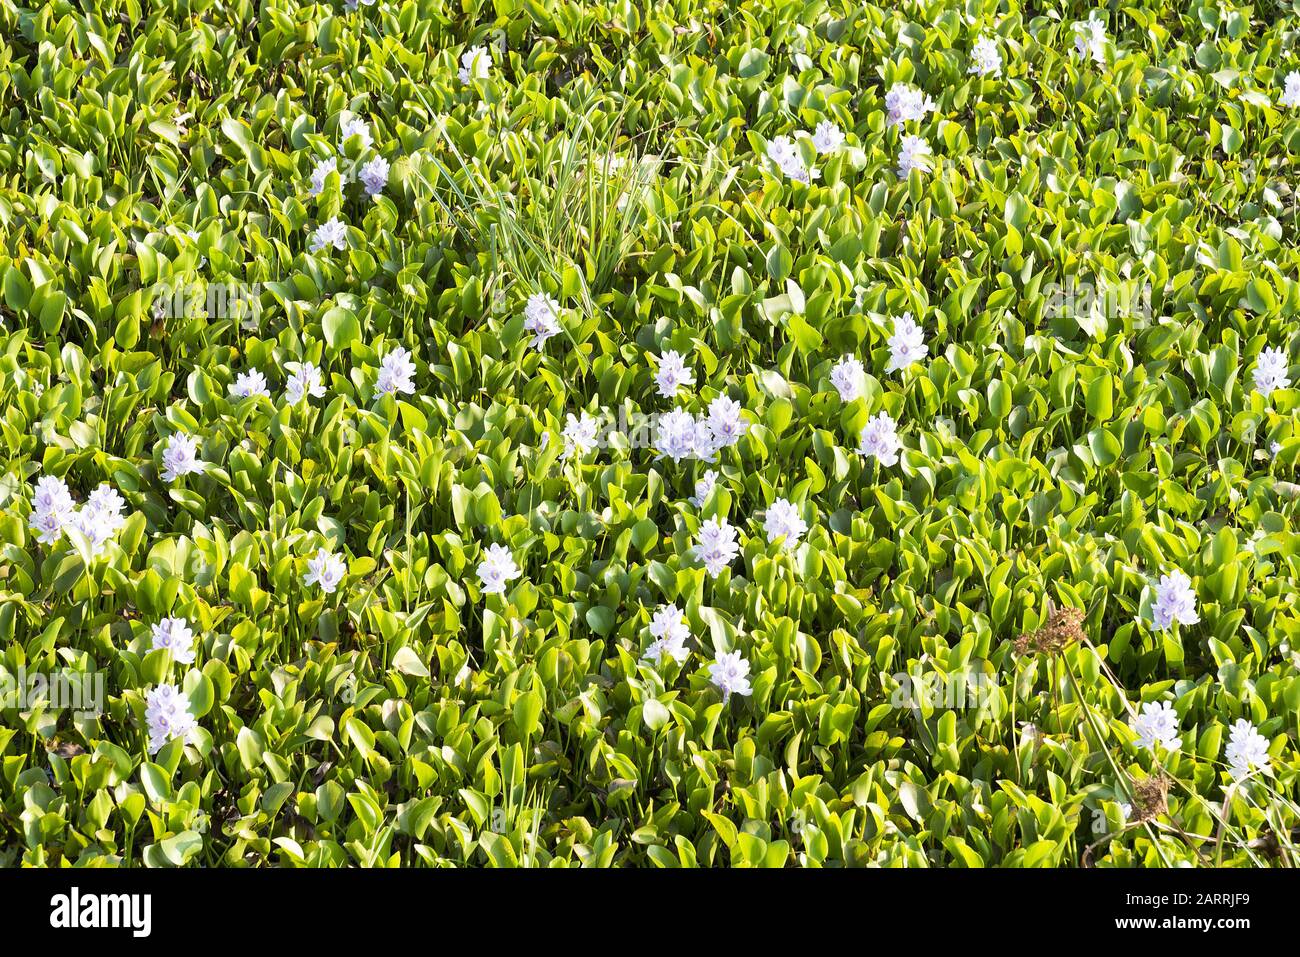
(1150, 798)
(1062, 629)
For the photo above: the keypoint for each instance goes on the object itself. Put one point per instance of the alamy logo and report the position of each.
(957, 691)
(82, 693)
(77, 910)
(215, 300)
(1081, 299)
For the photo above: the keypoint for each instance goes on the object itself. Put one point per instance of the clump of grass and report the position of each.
(571, 225)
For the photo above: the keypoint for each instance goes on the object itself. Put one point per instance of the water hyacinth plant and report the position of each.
(657, 435)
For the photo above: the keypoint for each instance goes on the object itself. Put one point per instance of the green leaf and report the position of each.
(527, 711)
(341, 328)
